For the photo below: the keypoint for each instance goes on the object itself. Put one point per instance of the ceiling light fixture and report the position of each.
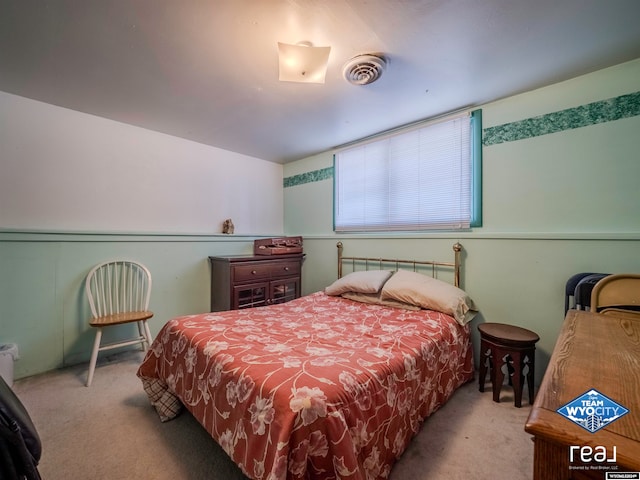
(303, 62)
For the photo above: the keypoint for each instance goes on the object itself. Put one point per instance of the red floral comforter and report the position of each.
(317, 388)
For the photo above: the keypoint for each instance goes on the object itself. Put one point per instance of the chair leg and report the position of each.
(142, 334)
(147, 334)
(94, 355)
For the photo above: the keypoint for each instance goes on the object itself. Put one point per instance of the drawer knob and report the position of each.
(253, 272)
(286, 269)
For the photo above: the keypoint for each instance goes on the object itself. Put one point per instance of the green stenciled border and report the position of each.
(608, 110)
(308, 177)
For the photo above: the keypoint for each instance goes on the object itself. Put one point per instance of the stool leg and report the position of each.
(510, 370)
(497, 376)
(492, 365)
(485, 356)
(530, 376)
(518, 380)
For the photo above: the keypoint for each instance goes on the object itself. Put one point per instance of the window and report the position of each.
(419, 178)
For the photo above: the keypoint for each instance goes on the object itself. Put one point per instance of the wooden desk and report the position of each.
(592, 351)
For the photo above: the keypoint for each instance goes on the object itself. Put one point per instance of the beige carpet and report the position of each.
(110, 432)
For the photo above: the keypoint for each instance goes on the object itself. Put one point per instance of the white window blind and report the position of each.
(411, 180)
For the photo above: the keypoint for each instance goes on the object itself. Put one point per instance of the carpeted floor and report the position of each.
(110, 432)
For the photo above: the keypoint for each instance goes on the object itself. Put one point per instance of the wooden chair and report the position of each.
(617, 295)
(118, 293)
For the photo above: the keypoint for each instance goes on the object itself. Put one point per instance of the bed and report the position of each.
(332, 385)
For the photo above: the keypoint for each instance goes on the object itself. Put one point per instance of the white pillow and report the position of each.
(376, 299)
(366, 281)
(430, 293)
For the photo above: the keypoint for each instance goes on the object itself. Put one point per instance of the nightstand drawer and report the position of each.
(282, 269)
(247, 273)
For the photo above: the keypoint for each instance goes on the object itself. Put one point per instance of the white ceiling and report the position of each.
(207, 70)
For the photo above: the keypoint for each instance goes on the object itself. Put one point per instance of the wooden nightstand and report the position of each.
(246, 281)
(515, 347)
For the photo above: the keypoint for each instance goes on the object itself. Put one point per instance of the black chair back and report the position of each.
(578, 290)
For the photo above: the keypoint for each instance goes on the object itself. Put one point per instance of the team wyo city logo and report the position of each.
(592, 411)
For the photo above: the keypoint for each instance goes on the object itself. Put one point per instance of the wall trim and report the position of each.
(573, 236)
(609, 110)
(18, 235)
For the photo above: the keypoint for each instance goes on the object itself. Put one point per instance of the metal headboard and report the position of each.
(455, 265)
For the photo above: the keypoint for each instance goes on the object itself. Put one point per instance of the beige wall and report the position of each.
(69, 171)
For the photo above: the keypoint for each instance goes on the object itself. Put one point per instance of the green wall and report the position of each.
(43, 308)
(560, 196)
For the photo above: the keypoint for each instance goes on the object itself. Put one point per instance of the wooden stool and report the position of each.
(512, 346)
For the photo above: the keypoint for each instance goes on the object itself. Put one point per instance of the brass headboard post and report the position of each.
(456, 265)
(457, 248)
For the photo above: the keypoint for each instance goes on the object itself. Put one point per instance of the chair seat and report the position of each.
(120, 318)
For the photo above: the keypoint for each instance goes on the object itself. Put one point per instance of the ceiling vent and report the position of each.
(364, 69)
